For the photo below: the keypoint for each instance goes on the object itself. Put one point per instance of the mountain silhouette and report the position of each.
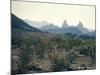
(82, 28)
(51, 28)
(64, 25)
(28, 25)
(79, 29)
(18, 24)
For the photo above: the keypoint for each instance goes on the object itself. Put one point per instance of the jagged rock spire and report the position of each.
(80, 25)
(64, 25)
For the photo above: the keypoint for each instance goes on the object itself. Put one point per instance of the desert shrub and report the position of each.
(71, 56)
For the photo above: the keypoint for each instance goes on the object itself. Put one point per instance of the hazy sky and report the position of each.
(55, 13)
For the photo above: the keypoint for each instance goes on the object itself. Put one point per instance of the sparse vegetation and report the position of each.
(34, 52)
(62, 53)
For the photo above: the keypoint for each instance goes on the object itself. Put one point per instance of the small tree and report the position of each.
(71, 56)
(58, 61)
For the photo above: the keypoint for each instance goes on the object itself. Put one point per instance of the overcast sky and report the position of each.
(55, 13)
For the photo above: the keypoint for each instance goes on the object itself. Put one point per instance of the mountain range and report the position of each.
(27, 25)
(51, 28)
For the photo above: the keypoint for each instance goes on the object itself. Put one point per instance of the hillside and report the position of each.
(19, 24)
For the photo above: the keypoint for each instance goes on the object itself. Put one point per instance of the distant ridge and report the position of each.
(44, 26)
(50, 27)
